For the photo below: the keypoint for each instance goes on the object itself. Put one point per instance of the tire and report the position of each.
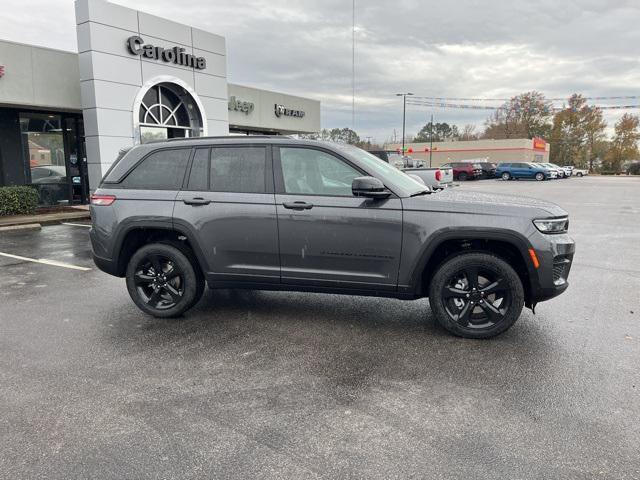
(489, 310)
(463, 177)
(161, 294)
(579, 174)
(540, 176)
(506, 176)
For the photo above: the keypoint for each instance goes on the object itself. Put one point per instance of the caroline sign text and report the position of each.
(177, 55)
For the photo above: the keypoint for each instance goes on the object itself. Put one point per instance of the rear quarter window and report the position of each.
(160, 170)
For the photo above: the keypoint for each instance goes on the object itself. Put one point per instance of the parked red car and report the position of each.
(464, 171)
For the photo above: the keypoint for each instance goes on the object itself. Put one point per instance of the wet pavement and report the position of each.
(293, 385)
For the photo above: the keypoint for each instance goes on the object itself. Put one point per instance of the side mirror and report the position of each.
(370, 187)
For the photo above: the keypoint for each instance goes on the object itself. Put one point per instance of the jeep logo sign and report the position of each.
(177, 55)
(240, 106)
(281, 110)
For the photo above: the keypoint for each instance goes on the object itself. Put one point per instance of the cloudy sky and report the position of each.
(461, 48)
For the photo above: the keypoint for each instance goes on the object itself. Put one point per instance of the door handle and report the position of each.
(195, 201)
(298, 205)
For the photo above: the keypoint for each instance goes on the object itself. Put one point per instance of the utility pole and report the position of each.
(353, 67)
(430, 140)
(404, 114)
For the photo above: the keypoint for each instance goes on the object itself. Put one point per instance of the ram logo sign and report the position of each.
(281, 110)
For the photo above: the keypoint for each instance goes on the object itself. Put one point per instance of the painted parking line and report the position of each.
(77, 224)
(44, 261)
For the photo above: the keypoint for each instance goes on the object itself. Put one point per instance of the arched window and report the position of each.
(168, 111)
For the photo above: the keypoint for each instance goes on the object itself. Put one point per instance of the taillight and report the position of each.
(102, 200)
(438, 175)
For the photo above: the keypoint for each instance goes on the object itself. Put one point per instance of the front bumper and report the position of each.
(555, 254)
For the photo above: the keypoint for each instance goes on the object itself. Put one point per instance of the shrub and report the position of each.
(18, 200)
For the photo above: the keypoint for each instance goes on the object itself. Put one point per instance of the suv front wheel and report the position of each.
(476, 295)
(162, 280)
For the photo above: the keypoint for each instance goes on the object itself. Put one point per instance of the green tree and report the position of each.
(441, 132)
(576, 131)
(595, 131)
(340, 135)
(624, 146)
(526, 115)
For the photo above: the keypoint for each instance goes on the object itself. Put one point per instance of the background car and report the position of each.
(488, 168)
(464, 171)
(578, 172)
(508, 171)
(560, 172)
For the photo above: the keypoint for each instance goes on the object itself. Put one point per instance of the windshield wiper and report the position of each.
(428, 191)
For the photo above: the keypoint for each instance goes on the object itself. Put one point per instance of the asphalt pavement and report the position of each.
(295, 385)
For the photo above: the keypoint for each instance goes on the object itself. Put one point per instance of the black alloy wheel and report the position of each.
(159, 282)
(476, 295)
(476, 298)
(163, 281)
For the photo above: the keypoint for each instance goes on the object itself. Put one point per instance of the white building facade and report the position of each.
(135, 77)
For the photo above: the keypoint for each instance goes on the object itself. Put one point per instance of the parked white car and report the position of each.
(560, 172)
(436, 178)
(578, 172)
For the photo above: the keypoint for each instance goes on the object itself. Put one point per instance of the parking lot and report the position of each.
(293, 385)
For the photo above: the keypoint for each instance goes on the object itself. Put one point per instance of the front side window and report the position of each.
(161, 170)
(307, 171)
(238, 169)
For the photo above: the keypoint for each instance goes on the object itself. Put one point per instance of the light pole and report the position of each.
(430, 139)
(404, 114)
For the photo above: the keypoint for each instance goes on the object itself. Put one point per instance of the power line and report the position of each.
(424, 103)
(558, 99)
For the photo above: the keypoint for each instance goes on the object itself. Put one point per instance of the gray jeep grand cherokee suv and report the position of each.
(274, 213)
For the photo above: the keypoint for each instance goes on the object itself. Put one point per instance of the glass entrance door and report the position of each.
(54, 158)
(76, 160)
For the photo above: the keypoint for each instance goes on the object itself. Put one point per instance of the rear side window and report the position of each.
(199, 175)
(238, 169)
(161, 170)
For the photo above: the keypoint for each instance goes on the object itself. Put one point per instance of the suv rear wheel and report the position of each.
(539, 176)
(462, 176)
(476, 295)
(162, 281)
(506, 176)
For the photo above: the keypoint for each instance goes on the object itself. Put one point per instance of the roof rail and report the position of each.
(217, 137)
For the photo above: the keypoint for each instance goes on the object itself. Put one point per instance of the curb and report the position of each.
(17, 228)
(47, 220)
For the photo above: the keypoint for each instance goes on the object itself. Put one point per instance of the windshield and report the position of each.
(382, 169)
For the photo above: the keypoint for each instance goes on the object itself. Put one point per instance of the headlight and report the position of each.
(552, 225)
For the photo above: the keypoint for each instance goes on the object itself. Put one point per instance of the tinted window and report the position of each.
(161, 170)
(314, 172)
(238, 169)
(199, 176)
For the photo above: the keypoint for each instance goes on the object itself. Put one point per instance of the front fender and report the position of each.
(411, 280)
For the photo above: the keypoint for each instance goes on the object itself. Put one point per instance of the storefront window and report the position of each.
(43, 146)
(168, 111)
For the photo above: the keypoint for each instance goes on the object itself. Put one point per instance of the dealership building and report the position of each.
(495, 151)
(64, 116)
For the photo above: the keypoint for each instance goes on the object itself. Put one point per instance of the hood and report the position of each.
(456, 200)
